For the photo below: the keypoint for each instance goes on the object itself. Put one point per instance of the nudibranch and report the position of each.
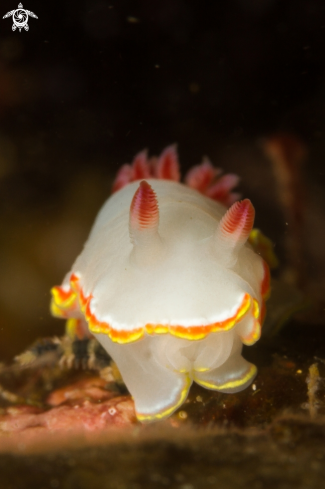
(168, 283)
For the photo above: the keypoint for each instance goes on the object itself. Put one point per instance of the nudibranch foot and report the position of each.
(157, 390)
(233, 376)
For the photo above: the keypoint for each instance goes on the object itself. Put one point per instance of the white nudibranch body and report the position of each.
(170, 287)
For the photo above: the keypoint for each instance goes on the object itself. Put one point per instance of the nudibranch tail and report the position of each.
(143, 224)
(233, 230)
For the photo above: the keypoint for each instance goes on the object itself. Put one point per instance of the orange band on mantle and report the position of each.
(64, 302)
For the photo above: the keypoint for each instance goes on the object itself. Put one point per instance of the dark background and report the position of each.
(92, 83)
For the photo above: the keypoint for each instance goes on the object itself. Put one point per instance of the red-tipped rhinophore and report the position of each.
(233, 231)
(144, 212)
(238, 222)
